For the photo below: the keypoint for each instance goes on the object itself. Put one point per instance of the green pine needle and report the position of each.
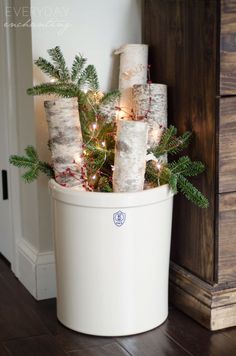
(31, 153)
(60, 89)
(89, 77)
(175, 173)
(173, 181)
(68, 84)
(31, 175)
(192, 193)
(186, 167)
(170, 143)
(47, 68)
(103, 185)
(60, 63)
(111, 96)
(77, 66)
(20, 161)
(34, 165)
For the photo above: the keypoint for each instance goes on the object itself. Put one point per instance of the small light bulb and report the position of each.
(103, 143)
(158, 166)
(52, 80)
(84, 152)
(94, 126)
(94, 177)
(77, 158)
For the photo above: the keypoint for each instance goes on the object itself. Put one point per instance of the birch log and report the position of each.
(130, 153)
(108, 110)
(150, 105)
(65, 141)
(133, 70)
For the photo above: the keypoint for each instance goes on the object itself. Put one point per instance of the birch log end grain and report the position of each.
(150, 105)
(130, 156)
(66, 141)
(133, 70)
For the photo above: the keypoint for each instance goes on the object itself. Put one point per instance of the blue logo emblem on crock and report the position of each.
(119, 218)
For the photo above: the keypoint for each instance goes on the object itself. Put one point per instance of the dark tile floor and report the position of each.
(30, 328)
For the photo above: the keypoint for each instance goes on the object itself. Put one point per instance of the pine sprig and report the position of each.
(77, 66)
(60, 63)
(175, 174)
(47, 68)
(104, 185)
(110, 97)
(68, 83)
(191, 192)
(61, 89)
(32, 163)
(89, 78)
(186, 167)
(170, 143)
(173, 182)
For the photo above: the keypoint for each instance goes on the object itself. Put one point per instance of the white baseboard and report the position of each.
(36, 270)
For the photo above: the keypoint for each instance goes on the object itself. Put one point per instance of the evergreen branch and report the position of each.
(47, 68)
(62, 89)
(31, 174)
(46, 168)
(170, 143)
(20, 161)
(186, 167)
(111, 96)
(170, 132)
(103, 185)
(173, 181)
(77, 66)
(60, 63)
(89, 77)
(31, 153)
(191, 192)
(169, 174)
(32, 162)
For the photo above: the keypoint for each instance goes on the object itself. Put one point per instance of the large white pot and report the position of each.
(112, 259)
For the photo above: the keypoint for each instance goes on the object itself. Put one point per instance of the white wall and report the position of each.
(91, 27)
(24, 117)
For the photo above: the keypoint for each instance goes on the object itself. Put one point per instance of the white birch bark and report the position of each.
(108, 110)
(133, 70)
(150, 105)
(130, 154)
(65, 141)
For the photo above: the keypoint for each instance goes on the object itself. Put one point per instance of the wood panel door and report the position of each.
(227, 145)
(182, 36)
(228, 47)
(226, 265)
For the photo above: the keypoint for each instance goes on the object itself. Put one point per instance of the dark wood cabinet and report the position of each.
(193, 51)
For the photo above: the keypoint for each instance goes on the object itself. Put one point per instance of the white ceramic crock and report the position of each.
(112, 259)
